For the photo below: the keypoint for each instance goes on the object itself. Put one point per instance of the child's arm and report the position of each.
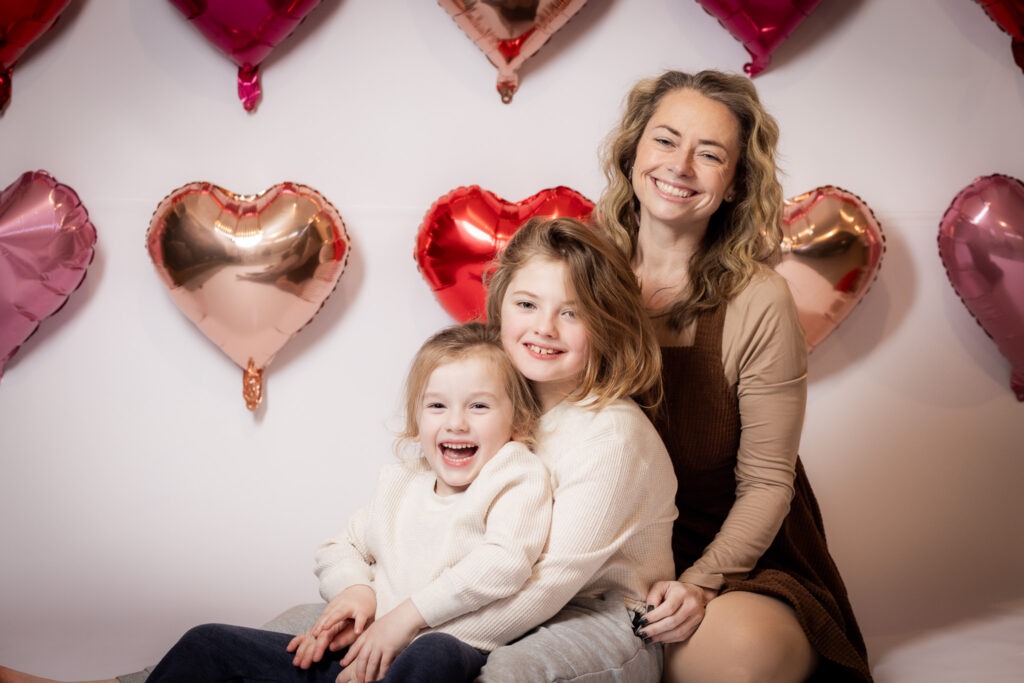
(371, 655)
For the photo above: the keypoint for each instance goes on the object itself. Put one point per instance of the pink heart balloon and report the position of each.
(246, 31)
(761, 25)
(831, 251)
(46, 246)
(510, 31)
(981, 244)
(249, 270)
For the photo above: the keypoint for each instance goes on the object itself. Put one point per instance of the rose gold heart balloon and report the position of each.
(249, 270)
(465, 229)
(831, 252)
(510, 31)
(981, 243)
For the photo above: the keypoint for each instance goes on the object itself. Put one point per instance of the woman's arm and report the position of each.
(764, 350)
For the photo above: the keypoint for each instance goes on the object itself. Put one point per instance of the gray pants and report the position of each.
(590, 641)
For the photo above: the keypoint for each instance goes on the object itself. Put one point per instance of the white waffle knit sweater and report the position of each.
(449, 554)
(611, 525)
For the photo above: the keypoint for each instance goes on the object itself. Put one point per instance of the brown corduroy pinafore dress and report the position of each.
(700, 424)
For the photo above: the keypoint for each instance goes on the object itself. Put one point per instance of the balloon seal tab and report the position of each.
(252, 385)
(507, 89)
(249, 86)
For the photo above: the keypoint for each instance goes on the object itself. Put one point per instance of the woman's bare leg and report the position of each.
(12, 676)
(744, 637)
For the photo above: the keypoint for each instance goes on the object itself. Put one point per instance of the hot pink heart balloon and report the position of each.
(46, 246)
(246, 31)
(510, 31)
(831, 251)
(761, 25)
(249, 270)
(981, 244)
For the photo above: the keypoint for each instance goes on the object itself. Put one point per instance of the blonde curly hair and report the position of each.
(743, 233)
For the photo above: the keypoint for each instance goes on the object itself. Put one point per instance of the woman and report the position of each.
(693, 198)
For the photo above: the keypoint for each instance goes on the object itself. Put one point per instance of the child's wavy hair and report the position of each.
(625, 360)
(457, 343)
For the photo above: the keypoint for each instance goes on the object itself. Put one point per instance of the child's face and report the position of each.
(541, 332)
(465, 417)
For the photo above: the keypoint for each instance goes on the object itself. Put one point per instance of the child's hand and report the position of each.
(342, 621)
(371, 655)
(308, 648)
(356, 603)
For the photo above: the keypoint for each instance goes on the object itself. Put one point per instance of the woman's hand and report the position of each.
(341, 622)
(678, 611)
(371, 655)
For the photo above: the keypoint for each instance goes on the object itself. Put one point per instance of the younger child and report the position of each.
(444, 535)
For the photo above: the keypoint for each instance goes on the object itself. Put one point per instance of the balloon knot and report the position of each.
(252, 385)
(249, 86)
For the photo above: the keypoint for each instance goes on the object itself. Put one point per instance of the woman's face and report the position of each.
(686, 161)
(541, 332)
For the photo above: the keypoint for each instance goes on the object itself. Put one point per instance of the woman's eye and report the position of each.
(711, 157)
(570, 314)
(525, 304)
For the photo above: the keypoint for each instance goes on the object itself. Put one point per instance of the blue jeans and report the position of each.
(217, 653)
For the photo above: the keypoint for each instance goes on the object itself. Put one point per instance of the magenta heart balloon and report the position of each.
(246, 31)
(981, 244)
(46, 245)
(761, 26)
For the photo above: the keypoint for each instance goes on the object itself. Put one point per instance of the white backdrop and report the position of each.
(138, 496)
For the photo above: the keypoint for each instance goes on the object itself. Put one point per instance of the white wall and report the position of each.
(138, 496)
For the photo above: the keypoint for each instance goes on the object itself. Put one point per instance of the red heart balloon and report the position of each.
(1009, 15)
(510, 31)
(249, 270)
(21, 22)
(760, 25)
(832, 249)
(981, 244)
(464, 231)
(46, 246)
(246, 31)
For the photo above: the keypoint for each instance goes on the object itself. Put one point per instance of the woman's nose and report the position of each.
(681, 164)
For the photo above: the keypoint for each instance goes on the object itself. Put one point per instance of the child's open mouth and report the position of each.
(458, 453)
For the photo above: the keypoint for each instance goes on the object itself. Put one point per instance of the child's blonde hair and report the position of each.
(625, 359)
(459, 342)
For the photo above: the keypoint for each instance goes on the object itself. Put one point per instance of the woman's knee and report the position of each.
(744, 638)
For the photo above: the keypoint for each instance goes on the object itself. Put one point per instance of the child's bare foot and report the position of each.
(12, 676)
